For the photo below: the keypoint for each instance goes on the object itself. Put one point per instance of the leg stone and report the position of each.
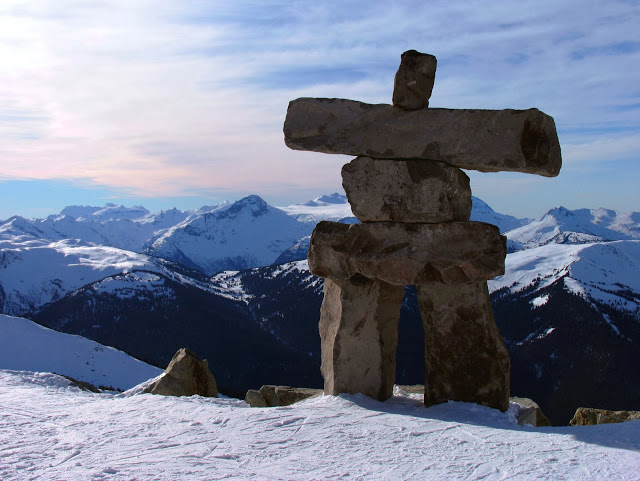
(465, 357)
(359, 334)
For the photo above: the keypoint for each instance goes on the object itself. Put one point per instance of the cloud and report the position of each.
(171, 98)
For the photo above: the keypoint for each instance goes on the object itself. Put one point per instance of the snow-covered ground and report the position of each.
(25, 345)
(50, 431)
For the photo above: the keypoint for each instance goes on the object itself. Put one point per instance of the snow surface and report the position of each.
(49, 430)
(25, 345)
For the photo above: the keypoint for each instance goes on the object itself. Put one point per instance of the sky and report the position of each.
(181, 103)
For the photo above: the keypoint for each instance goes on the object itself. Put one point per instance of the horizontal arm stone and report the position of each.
(485, 140)
(403, 254)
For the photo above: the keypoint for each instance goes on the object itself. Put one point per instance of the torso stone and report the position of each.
(406, 191)
(404, 254)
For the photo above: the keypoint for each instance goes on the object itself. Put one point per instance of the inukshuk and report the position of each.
(414, 201)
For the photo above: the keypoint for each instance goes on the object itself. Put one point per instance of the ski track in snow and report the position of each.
(51, 431)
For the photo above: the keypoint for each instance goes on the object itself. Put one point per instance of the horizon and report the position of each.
(277, 206)
(184, 108)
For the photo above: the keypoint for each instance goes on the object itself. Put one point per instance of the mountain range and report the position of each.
(230, 281)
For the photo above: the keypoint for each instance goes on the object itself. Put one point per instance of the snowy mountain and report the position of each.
(481, 212)
(334, 207)
(27, 346)
(574, 277)
(241, 235)
(564, 226)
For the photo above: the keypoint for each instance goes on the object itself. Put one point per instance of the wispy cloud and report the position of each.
(176, 97)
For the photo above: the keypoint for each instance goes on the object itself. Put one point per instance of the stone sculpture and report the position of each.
(414, 202)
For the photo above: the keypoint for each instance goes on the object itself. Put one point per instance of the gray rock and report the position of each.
(270, 395)
(591, 416)
(359, 335)
(465, 358)
(255, 399)
(403, 254)
(530, 414)
(406, 190)
(485, 140)
(414, 79)
(186, 375)
(291, 395)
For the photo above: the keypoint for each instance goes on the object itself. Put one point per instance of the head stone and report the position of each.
(414, 80)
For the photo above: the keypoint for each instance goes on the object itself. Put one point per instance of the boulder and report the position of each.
(255, 399)
(273, 396)
(403, 254)
(591, 416)
(530, 413)
(186, 375)
(406, 190)
(414, 80)
(465, 358)
(291, 395)
(485, 140)
(358, 335)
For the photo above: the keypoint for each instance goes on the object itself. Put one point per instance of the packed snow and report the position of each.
(49, 430)
(25, 345)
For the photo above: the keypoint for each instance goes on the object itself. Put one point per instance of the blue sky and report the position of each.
(181, 103)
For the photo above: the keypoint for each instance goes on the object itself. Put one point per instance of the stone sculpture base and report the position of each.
(465, 358)
(359, 334)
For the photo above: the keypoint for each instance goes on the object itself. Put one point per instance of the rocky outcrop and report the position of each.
(414, 80)
(485, 140)
(406, 191)
(404, 254)
(186, 375)
(407, 188)
(591, 416)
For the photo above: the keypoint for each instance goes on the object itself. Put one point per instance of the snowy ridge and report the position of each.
(27, 346)
(564, 226)
(606, 272)
(332, 207)
(89, 436)
(34, 276)
(481, 212)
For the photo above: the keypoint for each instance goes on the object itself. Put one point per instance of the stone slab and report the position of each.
(406, 191)
(465, 357)
(358, 335)
(485, 140)
(403, 254)
(592, 416)
(413, 83)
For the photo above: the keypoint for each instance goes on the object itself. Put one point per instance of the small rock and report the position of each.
(406, 191)
(414, 80)
(186, 375)
(291, 395)
(531, 413)
(591, 416)
(404, 254)
(255, 399)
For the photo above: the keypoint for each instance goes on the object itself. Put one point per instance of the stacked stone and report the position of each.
(414, 202)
